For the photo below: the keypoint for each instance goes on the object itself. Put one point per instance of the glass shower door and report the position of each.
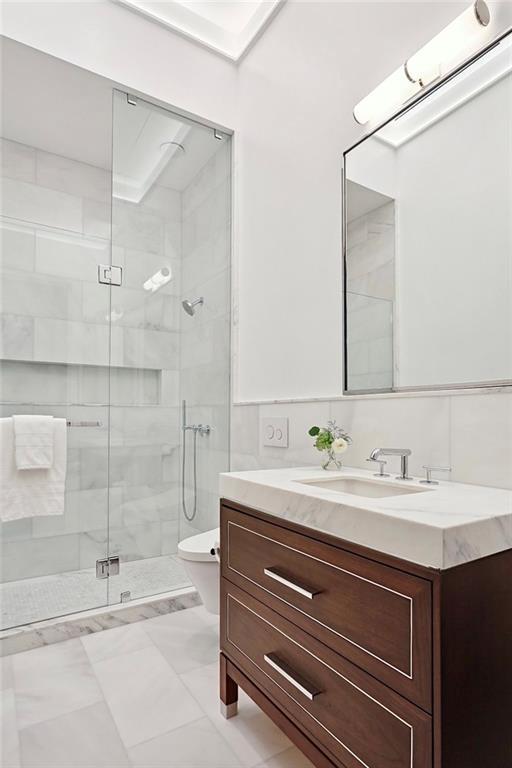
(55, 338)
(164, 166)
(145, 433)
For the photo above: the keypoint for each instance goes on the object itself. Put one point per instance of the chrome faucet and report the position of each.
(404, 453)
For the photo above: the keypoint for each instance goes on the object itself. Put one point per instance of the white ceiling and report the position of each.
(229, 28)
(57, 107)
(146, 150)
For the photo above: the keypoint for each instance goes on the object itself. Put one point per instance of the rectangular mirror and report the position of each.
(428, 238)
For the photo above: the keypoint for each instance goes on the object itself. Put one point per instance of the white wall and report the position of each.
(297, 89)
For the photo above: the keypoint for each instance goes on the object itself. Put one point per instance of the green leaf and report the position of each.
(314, 431)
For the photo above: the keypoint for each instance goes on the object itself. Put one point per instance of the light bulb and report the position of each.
(456, 42)
(394, 91)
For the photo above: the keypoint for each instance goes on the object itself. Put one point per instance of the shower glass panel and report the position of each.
(55, 318)
(115, 308)
(170, 240)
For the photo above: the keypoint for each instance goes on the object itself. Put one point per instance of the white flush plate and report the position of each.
(274, 432)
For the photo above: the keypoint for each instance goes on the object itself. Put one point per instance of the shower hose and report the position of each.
(188, 516)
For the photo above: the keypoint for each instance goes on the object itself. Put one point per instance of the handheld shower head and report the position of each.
(189, 306)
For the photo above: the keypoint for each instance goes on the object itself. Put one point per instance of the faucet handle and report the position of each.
(428, 480)
(381, 464)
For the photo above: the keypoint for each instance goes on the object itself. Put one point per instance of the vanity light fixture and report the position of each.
(158, 280)
(462, 37)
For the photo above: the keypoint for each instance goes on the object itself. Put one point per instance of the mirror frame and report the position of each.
(424, 94)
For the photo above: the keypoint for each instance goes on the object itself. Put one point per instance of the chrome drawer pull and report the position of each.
(307, 689)
(273, 573)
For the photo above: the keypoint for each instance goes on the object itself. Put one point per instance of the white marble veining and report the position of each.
(447, 525)
(88, 623)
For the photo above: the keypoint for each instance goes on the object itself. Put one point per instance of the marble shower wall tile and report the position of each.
(135, 226)
(96, 219)
(40, 296)
(67, 255)
(17, 161)
(16, 337)
(75, 178)
(39, 557)
(18, 243)
(129, 542)
(38, 205)
(205, 337)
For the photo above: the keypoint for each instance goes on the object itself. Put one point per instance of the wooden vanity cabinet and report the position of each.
(364, 659)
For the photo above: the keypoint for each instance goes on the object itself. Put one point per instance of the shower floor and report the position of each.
(46, 597)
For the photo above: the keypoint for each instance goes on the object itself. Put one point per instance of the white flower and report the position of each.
(339, 445)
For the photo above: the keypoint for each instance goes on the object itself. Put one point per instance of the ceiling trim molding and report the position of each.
(213, 37)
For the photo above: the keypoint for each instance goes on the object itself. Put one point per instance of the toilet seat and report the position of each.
(198, 548)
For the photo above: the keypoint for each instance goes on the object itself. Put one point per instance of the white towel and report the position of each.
(33, 440)
(35, 493)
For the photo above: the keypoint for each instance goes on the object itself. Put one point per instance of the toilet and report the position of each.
(201, 560)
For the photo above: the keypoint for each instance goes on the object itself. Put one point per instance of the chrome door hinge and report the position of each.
(109, 274)
(109, 566)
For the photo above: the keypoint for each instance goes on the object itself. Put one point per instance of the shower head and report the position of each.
(189, 306)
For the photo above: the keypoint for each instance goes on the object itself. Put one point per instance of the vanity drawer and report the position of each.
(356, 719)
(376, 616)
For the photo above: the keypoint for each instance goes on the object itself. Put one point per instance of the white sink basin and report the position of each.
(370, 489)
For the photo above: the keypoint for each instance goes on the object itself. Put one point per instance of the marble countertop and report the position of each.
(449, 524)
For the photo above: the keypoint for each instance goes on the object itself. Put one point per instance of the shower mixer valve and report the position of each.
(200, 429)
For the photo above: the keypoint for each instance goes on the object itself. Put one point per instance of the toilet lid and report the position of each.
(199, 547)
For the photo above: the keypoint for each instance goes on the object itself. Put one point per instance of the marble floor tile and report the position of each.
(87, 738)
(145, 695)
(290, 758)
(197, 745)
(185, 639)
(121, 703)
(251, 734)
(9, 737)
(53, 681)
(114, 642)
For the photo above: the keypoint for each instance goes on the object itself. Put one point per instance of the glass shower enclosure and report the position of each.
(107, 250)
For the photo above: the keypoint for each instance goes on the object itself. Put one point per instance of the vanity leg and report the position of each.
(228, 691)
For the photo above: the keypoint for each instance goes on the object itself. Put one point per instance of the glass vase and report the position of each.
(331, 462)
